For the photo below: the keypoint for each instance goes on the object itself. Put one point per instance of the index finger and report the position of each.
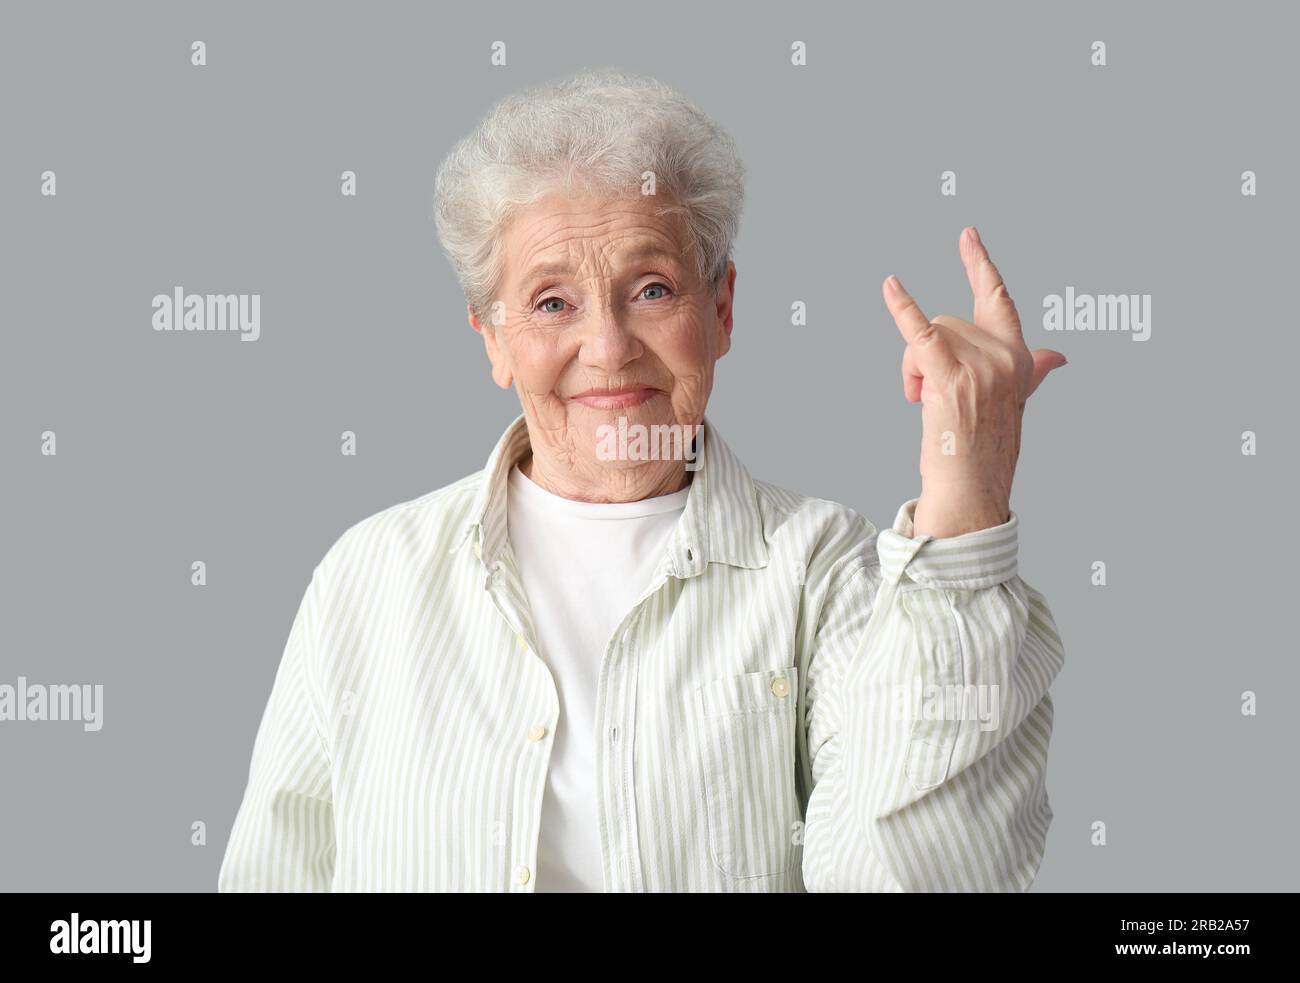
(994, 308)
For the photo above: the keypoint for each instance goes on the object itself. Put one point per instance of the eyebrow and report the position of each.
(563, 269)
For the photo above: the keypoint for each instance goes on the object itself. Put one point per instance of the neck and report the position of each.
(570, 480)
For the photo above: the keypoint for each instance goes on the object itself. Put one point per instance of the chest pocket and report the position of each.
(747, 760)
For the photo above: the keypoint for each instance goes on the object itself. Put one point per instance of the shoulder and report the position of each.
(836, 540)
(430, 523)
(792, 513)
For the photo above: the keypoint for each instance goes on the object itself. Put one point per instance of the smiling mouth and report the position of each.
(615, 399)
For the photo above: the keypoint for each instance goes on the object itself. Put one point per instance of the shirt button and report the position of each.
(780, 686)
(536, 732)
(521, 874)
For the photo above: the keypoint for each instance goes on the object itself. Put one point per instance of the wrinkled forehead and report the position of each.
(565, 235)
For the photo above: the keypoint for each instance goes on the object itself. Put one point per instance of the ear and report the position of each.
(501, 373)
(724, 299)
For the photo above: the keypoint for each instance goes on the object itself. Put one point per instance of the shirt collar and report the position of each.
(721, 522)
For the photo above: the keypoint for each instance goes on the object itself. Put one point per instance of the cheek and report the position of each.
(689, 358)
(536, 359)
(688, 347)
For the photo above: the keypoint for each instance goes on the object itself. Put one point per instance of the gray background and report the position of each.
(174, 447)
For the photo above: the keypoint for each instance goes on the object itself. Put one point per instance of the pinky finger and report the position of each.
(912, 378)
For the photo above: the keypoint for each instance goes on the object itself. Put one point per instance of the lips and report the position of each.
(615, 399)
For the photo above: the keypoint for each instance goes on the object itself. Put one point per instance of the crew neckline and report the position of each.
(530, 493)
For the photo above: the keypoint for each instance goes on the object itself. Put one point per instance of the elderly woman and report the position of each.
(613, 661)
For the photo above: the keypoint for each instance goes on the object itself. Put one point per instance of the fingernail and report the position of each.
(893, 284)
(975, 234)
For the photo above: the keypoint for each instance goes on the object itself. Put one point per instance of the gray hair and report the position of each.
(602, 129)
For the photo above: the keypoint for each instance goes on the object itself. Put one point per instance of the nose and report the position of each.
(607, 344)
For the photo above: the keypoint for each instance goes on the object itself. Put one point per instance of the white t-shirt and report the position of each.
(583, 566)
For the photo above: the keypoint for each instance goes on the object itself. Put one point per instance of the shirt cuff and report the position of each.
(973, 560)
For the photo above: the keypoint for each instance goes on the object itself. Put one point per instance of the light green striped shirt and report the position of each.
(777, 712)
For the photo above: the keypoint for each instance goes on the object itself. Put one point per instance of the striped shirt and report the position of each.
(795, 703)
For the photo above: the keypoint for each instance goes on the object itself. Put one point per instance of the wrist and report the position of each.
(956, 513)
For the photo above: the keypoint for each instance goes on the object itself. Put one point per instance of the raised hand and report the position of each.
(972, 379)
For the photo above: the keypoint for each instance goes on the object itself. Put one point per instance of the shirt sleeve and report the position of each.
(929, 729)
(283, 835)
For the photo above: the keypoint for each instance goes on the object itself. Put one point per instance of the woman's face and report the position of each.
(599, 316)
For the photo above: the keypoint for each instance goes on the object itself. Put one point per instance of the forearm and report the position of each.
(947, 716)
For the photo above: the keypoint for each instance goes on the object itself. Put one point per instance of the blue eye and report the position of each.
(555, 300)
(654, 286)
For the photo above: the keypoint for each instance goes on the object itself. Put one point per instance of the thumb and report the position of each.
(1044, 361)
